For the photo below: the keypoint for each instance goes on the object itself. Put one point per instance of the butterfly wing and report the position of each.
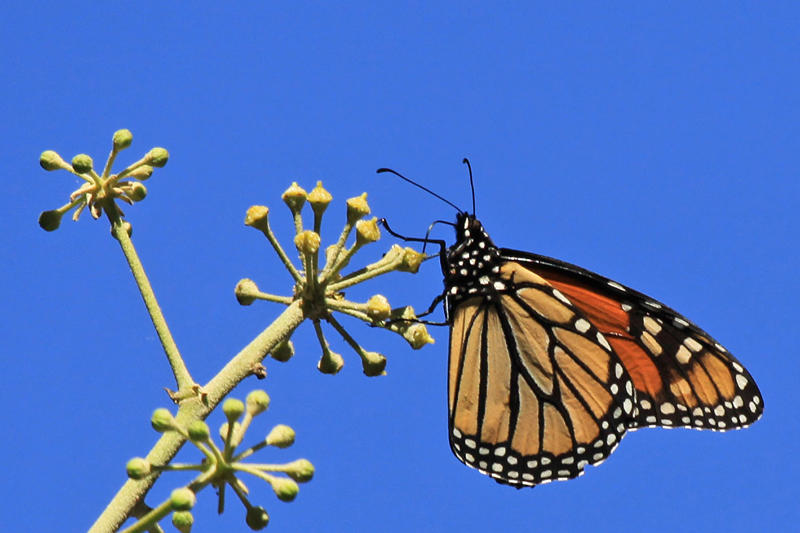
(536, 391)
(682, 376)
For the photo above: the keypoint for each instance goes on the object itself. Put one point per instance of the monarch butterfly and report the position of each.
(551, 364)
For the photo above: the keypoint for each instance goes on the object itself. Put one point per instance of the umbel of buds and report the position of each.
(319, 287)
(99, 192)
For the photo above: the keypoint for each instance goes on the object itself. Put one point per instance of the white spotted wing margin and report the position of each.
(535, 391)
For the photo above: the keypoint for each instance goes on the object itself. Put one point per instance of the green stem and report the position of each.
(182, 377)
(191, 409)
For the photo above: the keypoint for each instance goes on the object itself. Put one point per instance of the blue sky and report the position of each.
(657, 145)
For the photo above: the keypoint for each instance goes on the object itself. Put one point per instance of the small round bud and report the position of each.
(141, 172)
(330, 362)
(412, 259)
(300, 470)
(373, 364)
(285, 489)
(198, 431)
(50, 160)
(82, 163)
(157, 157)
(283, 351)
(357, 208)
(295, 197)
(127, 226)
(233, 409)
(319, 199)
(378, 307)
(122, 139)
(183, 520)
(307, 242)
(138, 468)
(256, 217)
(50, 220)
(257, 402)
(137, 191)
(162, 420)
(246, 291)
(182, 499)
(257, 518)
(281, 436)
(367, 231)
(417, 336)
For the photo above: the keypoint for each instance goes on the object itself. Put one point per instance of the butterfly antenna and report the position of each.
(427, 190)
(471, 184)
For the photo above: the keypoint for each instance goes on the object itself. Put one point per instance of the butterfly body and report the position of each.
(550, 364)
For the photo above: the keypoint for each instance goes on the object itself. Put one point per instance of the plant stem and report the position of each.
(238, 368)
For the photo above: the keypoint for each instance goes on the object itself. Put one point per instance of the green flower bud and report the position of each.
(198, 431)
(82, 163)
(183, 520)
(285, 489)
(233, 409)
(330, 362)
(378, 308)
(50, 160)
(373, 364)
(246, 291)
(307, 242)
(137, 191)
(300, 470)
(281, 436)
(162, 420)
(412, 259)
(367, 231)
(142, 172)
(138, 468)
(417, 336)
(295, 197)
(157, 157)
(283, 351)
(122, 139)
(50, 220)
(319, 199)
(257, 402)
(357, 208)
(257, 518)
(182, 499)
(256, 217)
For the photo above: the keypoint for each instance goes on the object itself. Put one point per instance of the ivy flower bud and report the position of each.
(367, 231)
(319, 199)
(373, 363)
(295, 197)
(412, 259)
(285, 489)
(233, 409)
(330, 362)
(183, 521)
(281, 436)
(357, 208)
(157, 157)
(122, 139)
(283, 351)
(246, 291)
(378, 307)
(300, 470)
(182, 499)
(257, 402)
(138, 468)
(256, 217)
(50, 160)
(137, 191)
(257, 518)
(307, 242)
(142, 172)
(198, 431)
(417, 336)
(82, 163)
(50, 220)
(162, 420)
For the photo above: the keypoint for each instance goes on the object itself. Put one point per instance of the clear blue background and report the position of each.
(657, 145)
